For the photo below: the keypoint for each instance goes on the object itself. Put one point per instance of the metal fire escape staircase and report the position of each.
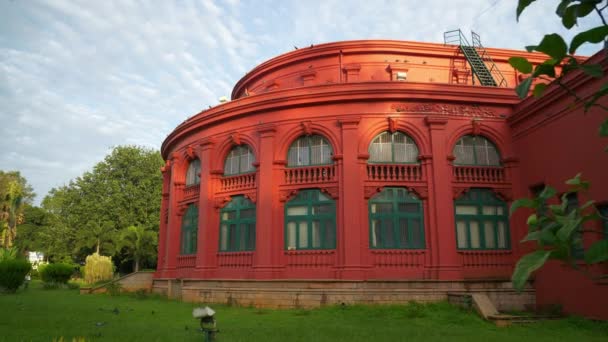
(482, 65)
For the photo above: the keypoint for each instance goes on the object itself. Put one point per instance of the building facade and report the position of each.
(360, 162)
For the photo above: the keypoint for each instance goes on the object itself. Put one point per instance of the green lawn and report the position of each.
(42, 315)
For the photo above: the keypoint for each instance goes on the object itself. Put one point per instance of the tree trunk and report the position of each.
(136, 264)
(97, 246)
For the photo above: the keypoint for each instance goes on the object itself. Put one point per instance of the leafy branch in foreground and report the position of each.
(557, 230)
(561, 56)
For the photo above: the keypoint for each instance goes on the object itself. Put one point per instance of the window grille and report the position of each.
(309, 150)
(393, 148)
(239, 160)
(189, 230)
(482, 221)
(237, 225)
(310, 221)
(193, 175)
(475, 150)
(396, 220)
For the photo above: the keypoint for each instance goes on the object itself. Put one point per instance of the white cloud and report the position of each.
(77, 77)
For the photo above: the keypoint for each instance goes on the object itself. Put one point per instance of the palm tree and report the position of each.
(139, 242)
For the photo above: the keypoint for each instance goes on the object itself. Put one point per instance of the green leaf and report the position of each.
(576, 180)
(532, 220)
(547, 192)
(521, 64)
(532, 236)
(521, 6)
(586, 7)
(526, 265)
(523, 88)
(586, 205)
(544, 69)
(570, 226)
(561, 8)
(522, 203)
(597, 252)
(554, 46)
(547, 237)
(531, 48)
(604, 128)
(539, 89)
(569, 17)
(594, 35)
(593, 70)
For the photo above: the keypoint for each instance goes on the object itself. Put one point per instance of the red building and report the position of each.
(370, 171)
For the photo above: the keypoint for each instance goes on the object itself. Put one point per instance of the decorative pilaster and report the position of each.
(352, 243)
(208, 222)
(267, 244)
(444, 262)
(164, 218)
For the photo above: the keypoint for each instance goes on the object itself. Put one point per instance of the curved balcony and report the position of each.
(394, 172)
(238, 182)
(310, 174)
(479, 174)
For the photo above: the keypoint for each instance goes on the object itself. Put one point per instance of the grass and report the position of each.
(36, 314)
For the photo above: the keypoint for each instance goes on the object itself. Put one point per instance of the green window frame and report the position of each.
(482, 221)
(572, 203)
(475, 150)
(309, 150)
(396, 220)
(237, 225)
(310, 221)
(239, 160)
(189, 230)
(397, 147)
(603, 210)
(193, 175)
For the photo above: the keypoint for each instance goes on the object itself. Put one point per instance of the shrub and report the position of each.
(114, 288)
(56, 273)
(8, 254)
(12, 273)
(97, 268)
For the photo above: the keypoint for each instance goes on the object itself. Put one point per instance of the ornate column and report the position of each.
(175, 216)
(207, 236)
(164, 220)
(266, 229)
(352, 242)
(445, 262)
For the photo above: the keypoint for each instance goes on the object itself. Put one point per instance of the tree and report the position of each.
(15, 193)
(92, 210)
(140, 244)
(555, 229)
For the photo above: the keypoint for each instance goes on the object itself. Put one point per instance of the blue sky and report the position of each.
(78, 77)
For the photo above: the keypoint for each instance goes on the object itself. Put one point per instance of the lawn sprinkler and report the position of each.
(208, 325)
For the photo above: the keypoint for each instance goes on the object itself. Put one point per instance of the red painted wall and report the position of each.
(345, 92)
(554, 141)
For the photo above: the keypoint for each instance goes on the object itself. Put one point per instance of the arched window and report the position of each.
(189, 230)
(237, 225)
(393, 148)
(309, 150)
(193, 175)
(239, 160)
(482, 221)
(310, 221)
(475, 150)
(396, 220)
